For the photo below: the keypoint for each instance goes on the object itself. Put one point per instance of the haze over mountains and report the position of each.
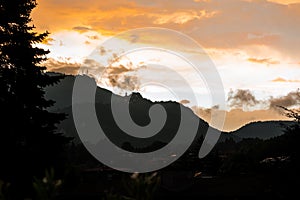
(139, 108)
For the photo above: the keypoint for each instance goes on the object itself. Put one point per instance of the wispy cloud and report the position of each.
(185, 101)
(64, 67)
(182, 17)
(267, 61)
(82, 29)
(283, 80)
(286, 2)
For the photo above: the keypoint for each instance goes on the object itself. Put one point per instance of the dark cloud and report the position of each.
(134, 38)
(92, 68)
(93, 37)
(117, 74)
(64, 67)
(287, 101)
(122, 77)
(66, 70)
(82, 29)
(89, 66)
(102, 51)
(241, 98)
(118, 70)
(237, 116)
(91, 63)
(124, 82)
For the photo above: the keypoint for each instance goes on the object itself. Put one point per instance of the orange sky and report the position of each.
(286, 1)
(254, 44)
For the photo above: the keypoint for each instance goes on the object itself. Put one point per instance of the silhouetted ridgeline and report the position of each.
(139, 111)
(61, 93)
(262, 130)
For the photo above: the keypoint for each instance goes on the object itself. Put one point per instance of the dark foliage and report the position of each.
(28, 139)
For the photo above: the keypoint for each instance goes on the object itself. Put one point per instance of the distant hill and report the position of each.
(262, 130)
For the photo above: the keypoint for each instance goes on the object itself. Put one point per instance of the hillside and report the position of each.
(139, 111)
(139, 108)
(262, 130)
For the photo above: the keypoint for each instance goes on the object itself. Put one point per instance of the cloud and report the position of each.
(92, 64)
(93, 37)
(48, 41)
(82, 29)
(122, 77)
(241, 98)
(66, 70)
(102, 51)
(237, 116)
(289, 100)
(118, 70)
(282, 80)
(124, 82)
(64, 67)
(267, 61)
(286, 2)
(120, 73)
(244, 98)
(214, 23)
(263, 31)
(185, 101)
(182, 17)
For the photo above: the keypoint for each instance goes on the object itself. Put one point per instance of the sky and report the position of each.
(253, 44)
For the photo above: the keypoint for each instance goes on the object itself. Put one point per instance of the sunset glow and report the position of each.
(254, 44)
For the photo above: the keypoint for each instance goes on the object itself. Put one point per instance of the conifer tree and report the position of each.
(28, 139)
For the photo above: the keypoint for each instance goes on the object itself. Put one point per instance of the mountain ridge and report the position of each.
(62, 94)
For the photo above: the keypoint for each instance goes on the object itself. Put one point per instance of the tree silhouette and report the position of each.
(28, 139)
(292, 113)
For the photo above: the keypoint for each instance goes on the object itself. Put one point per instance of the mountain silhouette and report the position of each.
(139, 107)
(139, 111)
(262, 130)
